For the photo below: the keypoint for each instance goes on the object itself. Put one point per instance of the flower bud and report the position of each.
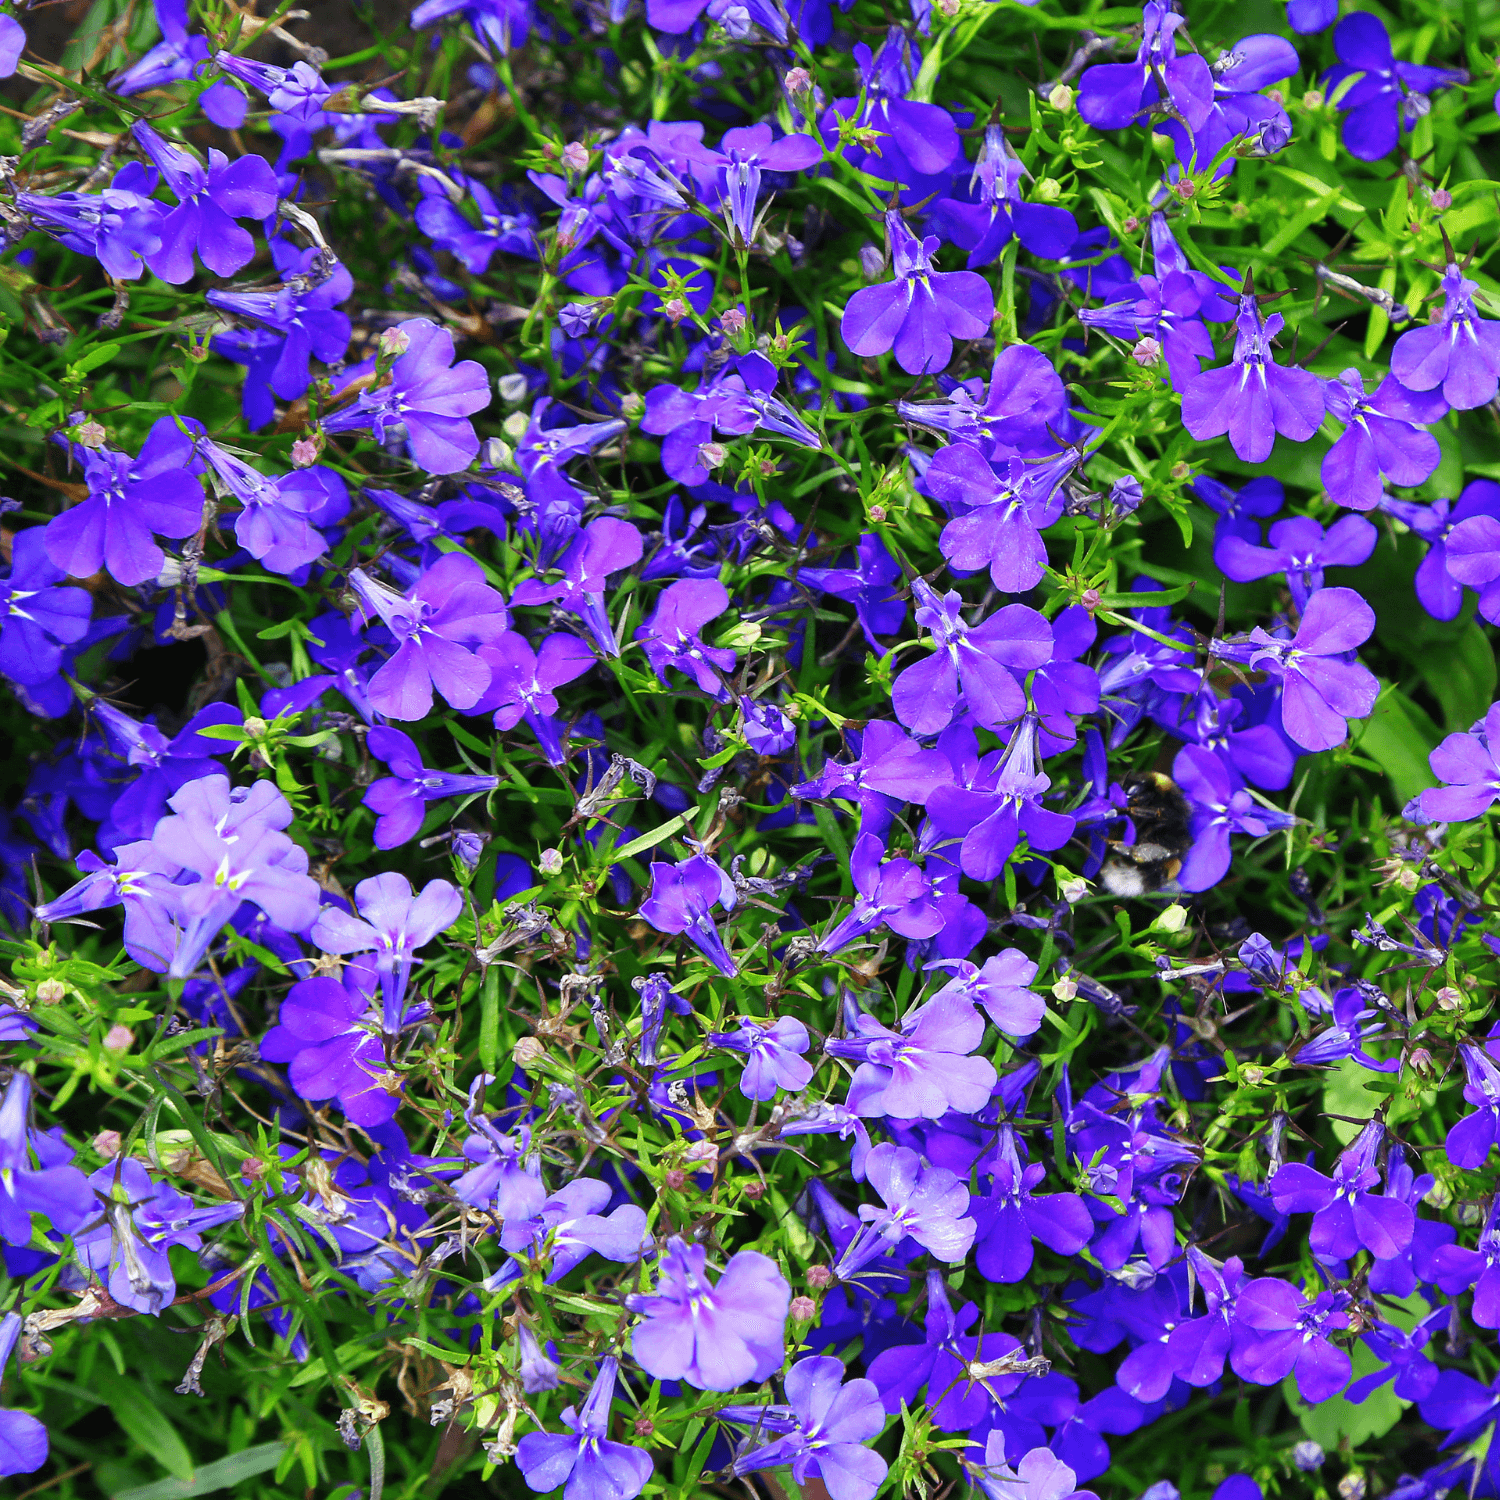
(394, 342)
(1061, 98)
(1077, 888)
(872, 262)
(644, 1426)
(1048, 190)
(119, 1038)
(675, 1178)
(732, 320)
(1449, 998)
(818, 1277)
(1147, 352)
(1312, 99)
(1253, 1075)
(712, 454)
(798, 81)
(1308, 1456)
(90, 435)
(1442, 199)
(802, 1309)
(527, 1052)
(1352, 1486)
(107, 1143)
(50, 991)
(1089, 599)
(305, 451)
(550, 862)
(677, 309)
(575, 156)
(512, 387)
(1066, 988)
(1173, 919)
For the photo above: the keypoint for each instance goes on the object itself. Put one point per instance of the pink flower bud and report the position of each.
(677, 309)
(798, 81)
(711, 455)
(575, 156)
(107, 1143)
(1146, 352)
(119, 1038)
(305, 452)
(818, 1277)
(802, 1309)
(394, 341)
(1442, 199)
(733, 320)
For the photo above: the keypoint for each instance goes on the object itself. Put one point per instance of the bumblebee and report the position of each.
(1163, 834)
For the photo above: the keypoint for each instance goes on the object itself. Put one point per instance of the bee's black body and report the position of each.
(1163, 835)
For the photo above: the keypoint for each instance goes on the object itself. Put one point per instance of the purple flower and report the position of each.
(392, 923)
(1469, 765)
(682, 900)
(209, 201)
(976, 664)
(1322, 684)
(1022, 400)
(921, 312)
(657, 998)
(1460, 353)
(733, 172)
(118, 227)
(436, 623)
(894, 893)
(1199, 1346)
(998, 520)
(1346, 1214)
(331, 1037)
(889, 770)
(993, 802)
(825, 1428)
(443, 222)
(715, 1337)
(588, 1462)
(175, 57)
(1221, 807)
(1384, 441)
(671, 635)
(23, 1439)
(141, 1220)
(1301, 549)
(1240, 511)
(1374, 99)
(506, 1178)
(1469, 1141)
(1002, 987)
(1277, 1333)
(773, 1055)
(1040, 1475)
(400, 800)
(922, 1071)
(570, 1226)
(927, 1204)
(603, 547)
(868, 580)
(141, 879)
(1114, 96)
(128, 500)
(38, 621)
(53, 1186)
(523, 684)
(273, 524)
(1012, 1215)
(428, 402)
(231, 839)
(501, 24)
(1253, 398)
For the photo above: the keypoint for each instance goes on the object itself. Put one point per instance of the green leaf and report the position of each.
(100, 355)
(1334, 1422)
(222, 1474)
(652, 839)
(1462, 678)
(1393, 737)
(145, 1426)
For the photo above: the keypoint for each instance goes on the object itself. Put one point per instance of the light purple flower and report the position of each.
(773, 1055)
(1002, 987)
(715, 1337)
(1467, 763)
(921, 312)
(927, 1204)
(523, 683)
(23, 1439)
(1299, 548)
(1277, 1334)
(1221, 807)
(1012, 1215)
(588, 1462)
(604, 547)
(400, 800)
(37, 619)
(895, 893)
(1384, 440)
(1459, 354)
(671, 636)
(682, 900)
(1040, 1475)
(1347, 1215)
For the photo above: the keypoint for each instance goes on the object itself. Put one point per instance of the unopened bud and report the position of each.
(1061, 98)
(1352, 1487)
(90, 435)
(1131, 225)
(1253, 1075)
(107, 1143)
(1185, 188)
(575, 156)
(677, 309)
(702, 1153)
(1076, 889)
(1442, 199)
(512, 387)
(644, 1426)
(305, 451)
(1181, 470)
(394, 342)
(1089, 599)
(754, 1190)
(550, 862)
(733, 320)
(675, 1178)
(632, 404)
(798, 81)
(1147, 352)
(818, 1277)
(802, 1309)
(711, 455)
(1421, 1061)
(1312, 99)
(876, 514)
(872, 262)
(119, 1038)
(1048, 190)
(1308, 1456)
(1066, 988)
(1447, 998)
(50, 991)
(1173, 919)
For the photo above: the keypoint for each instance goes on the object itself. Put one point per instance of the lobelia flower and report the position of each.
(1463, 1408)
(894, 893)
(1277, 1333)
(427, 401)
(231, 838)
(1347, 1216)
(523, 684)
(1023, 398)
(1198, 1347)
(1253, 398)
(921, 312)
(1383, 442)
(889, 770)
(869, 580)
(715, 1337)
(1469, 765)
(38, 620)
(604, 547)
(329, 1034)
(671, 635)
(208, 202)
(972, 664)
(544, 447)
(927, 1204)
(682, 900)
(569, 1227)
(400, 800)
(1400, 1352)
(1322, 686)
(126, 1246)
(999, 517)
(506, 1178)
(732, 173)
(1039, 1475)
(1300, 549)
(128, 500)
(1002, 987)
(997, 802)
(501, 24)
(1011, 1215)
(23, 1439)
(657, 998)
(118, 227)
(54, 1188)
(587, 1461)
(442, 220)
(1373, 102)
(923, 1070)
(1241, 113)
(392, 923)
(773, 1057)
(437, 623)
(273, 524)
(1469, 1141)
(1459, 355)
(1221, 807)
(984, 226)
(538, 1371)
(823, 1430)
(1115, 96)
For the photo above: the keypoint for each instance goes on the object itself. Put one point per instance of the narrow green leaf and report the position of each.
(221, 1474)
